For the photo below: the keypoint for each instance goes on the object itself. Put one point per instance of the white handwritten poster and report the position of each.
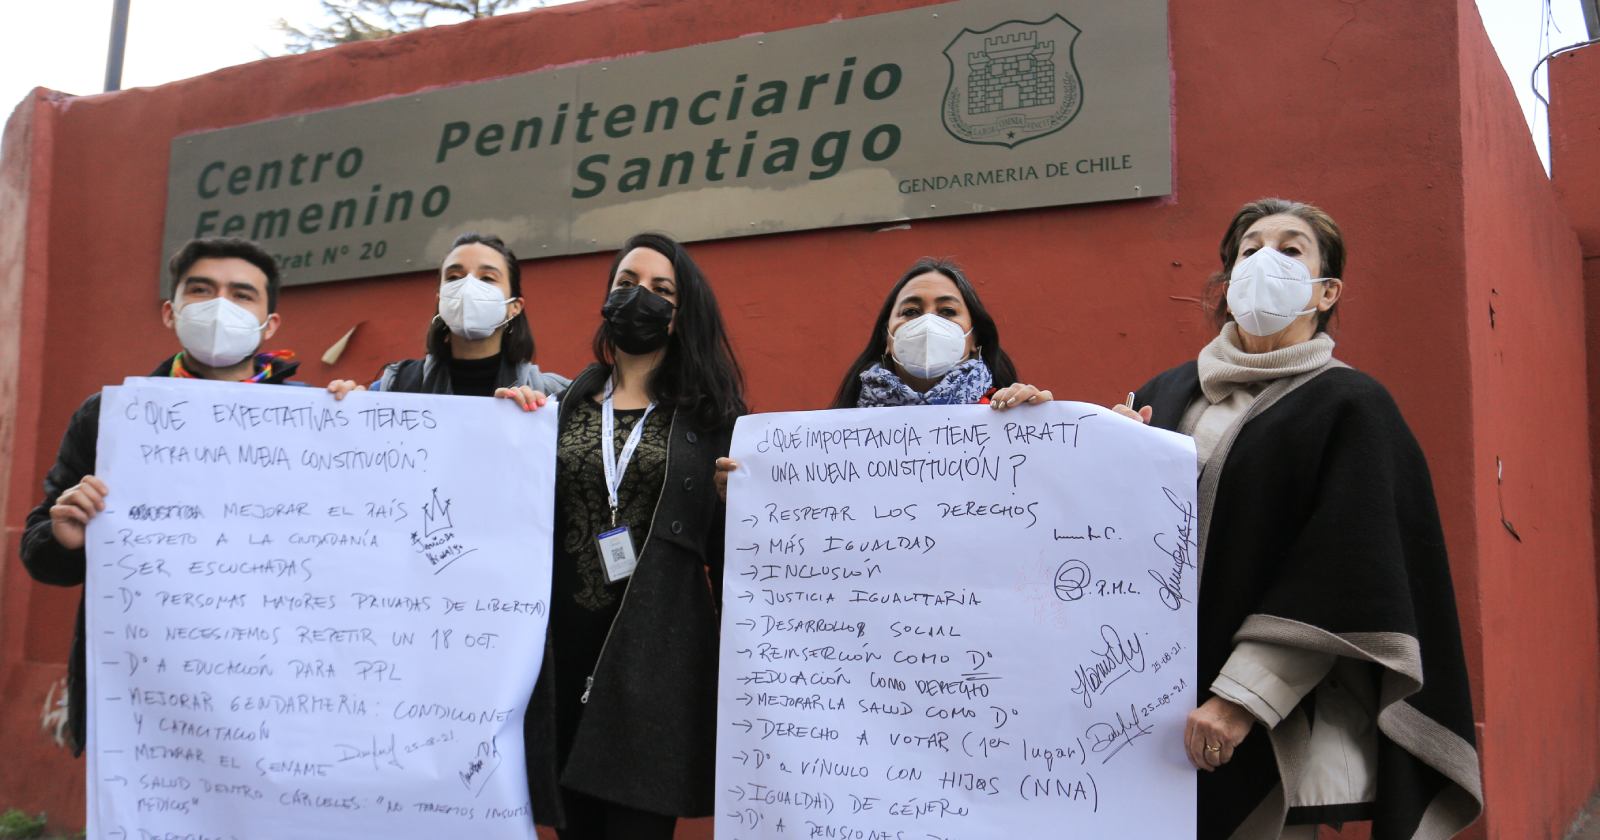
(316, 619)
(958, 624)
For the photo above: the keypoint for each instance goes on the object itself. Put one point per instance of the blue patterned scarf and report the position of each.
(965, 384)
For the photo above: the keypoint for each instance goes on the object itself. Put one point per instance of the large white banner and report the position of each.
(314, 619)
(957, 624)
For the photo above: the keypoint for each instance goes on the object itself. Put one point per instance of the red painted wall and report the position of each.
(45, 776)
(1524, 301)
(1575, 174)
(1391, 114)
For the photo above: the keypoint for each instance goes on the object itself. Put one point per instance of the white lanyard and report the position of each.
(616, 466)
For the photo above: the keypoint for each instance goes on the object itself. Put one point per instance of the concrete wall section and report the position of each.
(1530, 458)
(1575, 174)
(35, 620)
(1575, 141)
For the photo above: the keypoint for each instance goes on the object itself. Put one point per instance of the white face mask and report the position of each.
(472, 308)
(928, 346)
(1268, 290)
(218, 332)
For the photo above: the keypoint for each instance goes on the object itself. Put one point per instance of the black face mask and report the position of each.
(636, 320)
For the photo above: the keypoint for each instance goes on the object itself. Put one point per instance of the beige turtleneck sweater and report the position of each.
(1230, 380)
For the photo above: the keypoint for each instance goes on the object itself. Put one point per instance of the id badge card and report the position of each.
(616, 553)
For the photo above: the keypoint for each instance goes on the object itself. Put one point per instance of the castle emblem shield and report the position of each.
(1013, 82)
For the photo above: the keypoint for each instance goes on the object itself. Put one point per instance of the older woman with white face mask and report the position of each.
(1326, 614)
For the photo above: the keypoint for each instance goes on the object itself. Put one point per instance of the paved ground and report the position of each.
(1587, 826)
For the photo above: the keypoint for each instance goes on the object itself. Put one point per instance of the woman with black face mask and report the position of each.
(622, 726)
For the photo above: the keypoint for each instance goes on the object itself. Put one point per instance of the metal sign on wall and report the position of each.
(964, 107)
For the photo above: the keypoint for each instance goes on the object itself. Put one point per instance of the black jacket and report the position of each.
(45, 559)
(1324, 535)
(424, 376)
(648, 733)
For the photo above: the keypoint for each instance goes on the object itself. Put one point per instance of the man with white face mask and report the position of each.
(222, 308)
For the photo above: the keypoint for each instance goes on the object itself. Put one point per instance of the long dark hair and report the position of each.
(698, 374)
(516, 343)
(1330, 241)
(984, 332)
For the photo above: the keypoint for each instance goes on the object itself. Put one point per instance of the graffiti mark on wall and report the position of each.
(53, 717)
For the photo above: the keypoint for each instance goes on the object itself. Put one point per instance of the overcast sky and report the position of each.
(61, 44)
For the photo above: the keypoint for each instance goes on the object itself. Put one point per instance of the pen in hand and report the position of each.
(1142, 415)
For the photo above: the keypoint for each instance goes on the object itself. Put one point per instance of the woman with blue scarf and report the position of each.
(933, 343)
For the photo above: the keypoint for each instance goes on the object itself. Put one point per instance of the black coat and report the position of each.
(424, 376)
(1323, 535)
(647, 736)
(45, 559)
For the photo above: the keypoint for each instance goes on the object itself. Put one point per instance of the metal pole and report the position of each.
(119, 37)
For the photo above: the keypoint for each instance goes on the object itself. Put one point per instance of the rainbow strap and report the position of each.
(263, 364)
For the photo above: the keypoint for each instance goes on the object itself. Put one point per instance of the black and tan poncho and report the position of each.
(1319, 531)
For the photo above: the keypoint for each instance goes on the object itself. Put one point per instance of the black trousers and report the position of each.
(589, 818)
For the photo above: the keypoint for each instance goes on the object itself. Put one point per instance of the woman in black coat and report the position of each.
(1326, 614)
(622, 725)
